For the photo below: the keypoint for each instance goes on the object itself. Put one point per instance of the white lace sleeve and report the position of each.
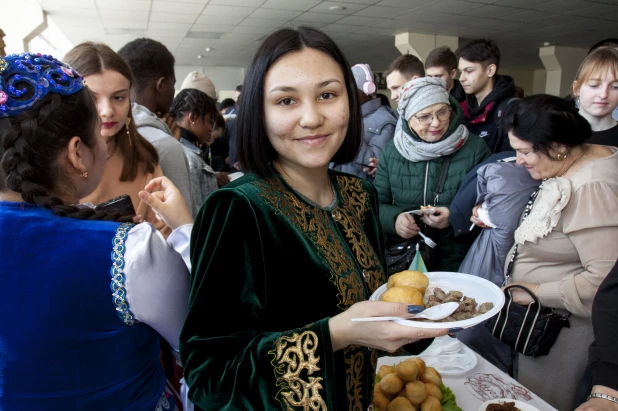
(157, 278)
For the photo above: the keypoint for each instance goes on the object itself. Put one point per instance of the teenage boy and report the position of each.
(487, 92)
(441, 63)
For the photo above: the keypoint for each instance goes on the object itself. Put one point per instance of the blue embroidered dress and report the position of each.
(63, 344)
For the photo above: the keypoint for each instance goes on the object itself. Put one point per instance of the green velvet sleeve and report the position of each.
(231, 361)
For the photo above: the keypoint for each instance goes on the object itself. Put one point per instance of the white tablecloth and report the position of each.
(482, 383)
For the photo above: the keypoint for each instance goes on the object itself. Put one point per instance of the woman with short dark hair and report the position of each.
(286, 256)
(566, 242)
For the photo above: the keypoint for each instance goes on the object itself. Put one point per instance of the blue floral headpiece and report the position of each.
(26, 78)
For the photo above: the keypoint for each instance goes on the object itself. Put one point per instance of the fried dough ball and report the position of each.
(385, 370)
(407, 370)
(408, 278)
(433, 390)
(432, 376)
(416, 392)
(406, 295)
(431, 403)
(378, 391)
(380, 401)
(400, 404)
(391, 384)
(421, 365)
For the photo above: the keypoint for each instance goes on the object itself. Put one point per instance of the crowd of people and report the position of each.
(239, 295)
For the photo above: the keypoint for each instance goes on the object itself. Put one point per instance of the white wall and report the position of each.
(18, 19)
(225, 78)
(524, 78)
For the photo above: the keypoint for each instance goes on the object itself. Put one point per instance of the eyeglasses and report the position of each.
(442, 115)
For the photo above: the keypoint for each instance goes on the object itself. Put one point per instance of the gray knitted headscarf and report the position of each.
(417, 95)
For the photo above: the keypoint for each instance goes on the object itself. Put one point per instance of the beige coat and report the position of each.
(569, 264)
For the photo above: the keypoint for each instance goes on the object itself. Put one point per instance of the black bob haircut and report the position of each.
(545, 120)
(253, 149)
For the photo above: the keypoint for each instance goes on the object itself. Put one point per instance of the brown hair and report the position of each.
(94, 58)
(596, 63)
(441, 57)
(408, 65)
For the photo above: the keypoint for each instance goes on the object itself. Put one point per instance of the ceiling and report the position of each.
(233, 29)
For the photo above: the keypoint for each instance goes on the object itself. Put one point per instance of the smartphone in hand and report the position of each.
(121, 205)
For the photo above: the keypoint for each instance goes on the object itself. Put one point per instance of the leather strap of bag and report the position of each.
(442, 180)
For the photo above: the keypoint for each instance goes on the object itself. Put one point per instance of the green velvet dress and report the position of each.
(269, 270)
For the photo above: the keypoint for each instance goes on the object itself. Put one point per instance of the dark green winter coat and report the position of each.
(404, 185)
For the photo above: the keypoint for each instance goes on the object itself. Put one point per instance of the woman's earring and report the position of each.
(193, 122)
(84, 174)
(561, 156)
(128, 132)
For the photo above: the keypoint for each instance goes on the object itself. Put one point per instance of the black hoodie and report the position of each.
(458, 92)
(481, 120)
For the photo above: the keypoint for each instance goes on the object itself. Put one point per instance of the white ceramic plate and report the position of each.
(481, 290)
(433, 361)
(523, 406)
(421, 212)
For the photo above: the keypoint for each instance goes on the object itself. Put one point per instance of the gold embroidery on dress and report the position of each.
(294, 360)
(354, 198)
(355, 364)
(314, 223)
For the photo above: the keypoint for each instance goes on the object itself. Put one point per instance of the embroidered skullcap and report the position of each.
(420, 93)
(26, 78)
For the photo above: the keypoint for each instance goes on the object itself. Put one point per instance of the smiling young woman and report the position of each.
(293, 249)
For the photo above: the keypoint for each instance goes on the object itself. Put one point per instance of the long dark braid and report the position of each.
(31, 142)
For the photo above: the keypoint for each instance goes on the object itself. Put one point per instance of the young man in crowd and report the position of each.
(487, 92)
(378, 123)
(152, 94)
(400, 71)
(441, 63)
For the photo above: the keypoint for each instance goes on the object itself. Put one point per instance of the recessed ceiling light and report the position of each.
(547, 43)
(207, 49)
(199, 56)
(336, 8)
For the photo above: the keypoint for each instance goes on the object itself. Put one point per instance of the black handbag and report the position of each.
(530, 330)
(401, 251)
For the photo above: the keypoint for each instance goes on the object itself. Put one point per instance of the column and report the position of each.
(420, 44)
(561, 64)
